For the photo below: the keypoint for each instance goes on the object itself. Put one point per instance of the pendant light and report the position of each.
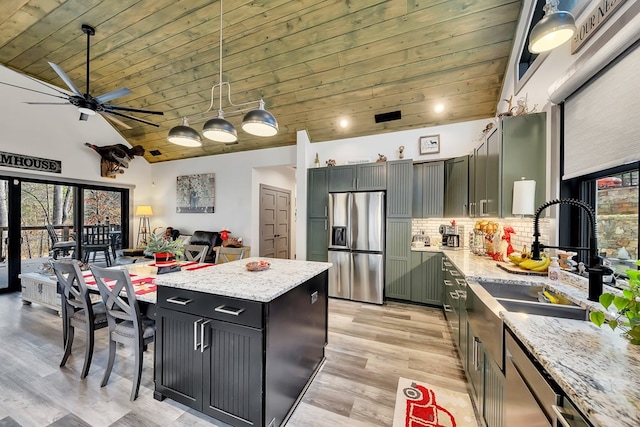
(184, 135)
(257, 121)
(554, 29)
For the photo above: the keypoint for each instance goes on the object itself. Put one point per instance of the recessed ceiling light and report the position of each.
(344, 123)
(439, 108)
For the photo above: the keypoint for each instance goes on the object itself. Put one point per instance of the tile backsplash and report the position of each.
(523, 229)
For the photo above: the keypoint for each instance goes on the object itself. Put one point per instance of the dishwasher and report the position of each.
(530, 399)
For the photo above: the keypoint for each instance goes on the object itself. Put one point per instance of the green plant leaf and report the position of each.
(634, 333)
(606, 300)
(628, 294)
(613, 324)
(620, 303)
(597, 317)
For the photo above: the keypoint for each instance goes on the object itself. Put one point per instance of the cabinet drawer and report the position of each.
(234, 310)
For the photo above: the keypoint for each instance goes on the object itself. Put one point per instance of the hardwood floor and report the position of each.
(369, 348)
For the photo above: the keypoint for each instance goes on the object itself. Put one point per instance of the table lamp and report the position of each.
(144, 212)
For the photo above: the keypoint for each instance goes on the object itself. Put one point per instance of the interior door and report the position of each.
(275, 222)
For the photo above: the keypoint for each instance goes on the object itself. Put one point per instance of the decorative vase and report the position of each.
(164, 257)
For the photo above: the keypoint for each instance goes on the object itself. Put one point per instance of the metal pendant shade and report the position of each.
(260, 123)
(184, 135)
(556, 28)
(257, 121)
(220, 130)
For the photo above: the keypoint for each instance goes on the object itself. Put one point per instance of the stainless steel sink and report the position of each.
(525, 299)
(544, 309)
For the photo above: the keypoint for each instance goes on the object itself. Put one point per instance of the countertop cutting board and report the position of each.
(512, 268)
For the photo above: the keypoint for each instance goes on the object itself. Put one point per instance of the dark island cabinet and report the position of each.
(231, 358)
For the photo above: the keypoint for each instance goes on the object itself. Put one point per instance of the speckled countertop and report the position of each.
(597, 368)
(234, 280)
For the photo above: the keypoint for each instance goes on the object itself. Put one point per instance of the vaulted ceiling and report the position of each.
(313, 62)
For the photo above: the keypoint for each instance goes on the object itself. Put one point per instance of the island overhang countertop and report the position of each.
(232, 279)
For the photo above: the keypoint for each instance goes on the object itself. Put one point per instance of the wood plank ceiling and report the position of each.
(313, 62)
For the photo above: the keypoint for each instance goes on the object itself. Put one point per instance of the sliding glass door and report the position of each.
(35, 214)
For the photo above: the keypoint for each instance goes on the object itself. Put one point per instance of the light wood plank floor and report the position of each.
(370, 347)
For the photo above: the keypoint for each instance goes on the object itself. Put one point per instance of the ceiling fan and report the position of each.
(87, 104)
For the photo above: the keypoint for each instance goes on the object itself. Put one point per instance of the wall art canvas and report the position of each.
(196, 193)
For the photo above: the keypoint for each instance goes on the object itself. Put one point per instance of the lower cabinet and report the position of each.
(426, 278)
(317, 240)
(219, 371)
(487, 382)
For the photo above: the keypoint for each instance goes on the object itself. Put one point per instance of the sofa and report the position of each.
(210, 238)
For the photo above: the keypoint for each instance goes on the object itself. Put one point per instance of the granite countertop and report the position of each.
(232, 279)
(596, 367)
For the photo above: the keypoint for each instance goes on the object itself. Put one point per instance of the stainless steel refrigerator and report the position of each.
(356, 246)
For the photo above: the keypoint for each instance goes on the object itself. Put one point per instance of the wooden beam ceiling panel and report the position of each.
(311, 61)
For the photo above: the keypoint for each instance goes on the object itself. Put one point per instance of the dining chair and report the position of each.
(97, 239)
(222, 254)
(58, 247)
(126, 325)
(196, 252)
(78, 311)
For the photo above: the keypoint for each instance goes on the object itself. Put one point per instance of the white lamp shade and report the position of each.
(524, 197)
(144, 210)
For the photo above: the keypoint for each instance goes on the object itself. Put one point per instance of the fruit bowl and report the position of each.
(258, 265)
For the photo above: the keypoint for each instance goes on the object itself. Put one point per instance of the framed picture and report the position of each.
(196, 193)
(430, 144)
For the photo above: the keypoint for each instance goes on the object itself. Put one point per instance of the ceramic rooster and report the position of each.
(506, 236)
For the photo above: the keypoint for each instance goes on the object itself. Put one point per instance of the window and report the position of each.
(614, 194)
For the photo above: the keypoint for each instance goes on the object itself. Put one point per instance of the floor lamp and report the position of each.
(144, 212)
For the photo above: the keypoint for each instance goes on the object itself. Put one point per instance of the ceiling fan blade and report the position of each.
(133, 110)
(84, 117)
(115, 120)
(132, 118)
(47, 103)
(66, 79)
(112, 95)
(36, 91)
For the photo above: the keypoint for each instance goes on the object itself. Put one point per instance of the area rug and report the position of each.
(420, 405)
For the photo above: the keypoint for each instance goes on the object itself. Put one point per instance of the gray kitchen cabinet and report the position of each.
(426, 278)
(362, 177)
(399, 192)
(494, 383)
(472, 184)
(428, 190)
(456, 187)
(514, 149)
(475, 371)
(317, 239)
(398, 258)
(317, 214)
(317, 193)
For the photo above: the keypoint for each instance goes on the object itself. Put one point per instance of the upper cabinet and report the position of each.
(318, 198)
(456, 187)
(363, 177)
(399, 194)
(428, 190)
(516, 148)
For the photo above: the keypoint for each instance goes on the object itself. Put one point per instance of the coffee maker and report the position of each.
(451, 236)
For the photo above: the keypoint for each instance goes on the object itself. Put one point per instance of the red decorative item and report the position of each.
(508, 231)
(422, 409)
(225, 234)
(453, 222)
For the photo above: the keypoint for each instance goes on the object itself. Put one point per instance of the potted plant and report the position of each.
(163, 248)
(627, 309)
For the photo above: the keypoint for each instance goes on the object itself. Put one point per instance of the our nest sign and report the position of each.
(28, 162)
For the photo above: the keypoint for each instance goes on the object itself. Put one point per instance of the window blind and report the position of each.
(602, 119)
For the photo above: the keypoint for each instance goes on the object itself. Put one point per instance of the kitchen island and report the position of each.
(241, 346)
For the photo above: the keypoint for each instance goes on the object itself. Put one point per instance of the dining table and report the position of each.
(143, 276)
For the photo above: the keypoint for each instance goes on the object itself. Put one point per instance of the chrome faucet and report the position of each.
(594, 267)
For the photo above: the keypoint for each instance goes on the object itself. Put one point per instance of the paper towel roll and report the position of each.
(524, 197)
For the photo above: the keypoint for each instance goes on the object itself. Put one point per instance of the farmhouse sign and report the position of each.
(593, 21)
(27, 162)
